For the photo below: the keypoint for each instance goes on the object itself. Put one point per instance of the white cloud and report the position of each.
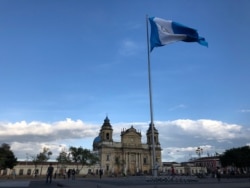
(245, 110)
(186, 133)
(179, 138)
(128, 48)
(180, 106)
(210, 129)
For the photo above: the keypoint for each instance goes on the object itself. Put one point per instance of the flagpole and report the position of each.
(154, 170)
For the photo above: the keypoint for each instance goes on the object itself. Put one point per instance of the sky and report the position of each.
(66, 65)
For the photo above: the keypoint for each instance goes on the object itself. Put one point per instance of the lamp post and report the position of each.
(199, 151)
(27, 158)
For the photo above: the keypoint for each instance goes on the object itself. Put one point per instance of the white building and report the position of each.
(28, 168)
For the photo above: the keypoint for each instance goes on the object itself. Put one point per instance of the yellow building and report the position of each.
(130, 156)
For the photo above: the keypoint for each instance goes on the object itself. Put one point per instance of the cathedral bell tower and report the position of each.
(157, 145)
(149, 135)
(106, 132)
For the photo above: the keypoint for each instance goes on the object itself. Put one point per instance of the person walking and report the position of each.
(100, 173)
(49, 173)
(73, 174)
(69, 173)
(218, 174)
(13, 174)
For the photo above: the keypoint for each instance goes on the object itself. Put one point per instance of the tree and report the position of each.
(7, 157)
(82, 157)
(63, 157)
(42, 157)
(238, 157)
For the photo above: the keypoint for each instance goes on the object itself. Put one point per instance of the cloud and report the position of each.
(128, 48)
(245, 110)
(41, 132)
(180, 106)
(213, 136)
(179, 138)
(210, 129)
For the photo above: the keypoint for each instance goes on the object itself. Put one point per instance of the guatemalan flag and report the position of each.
(166, 31)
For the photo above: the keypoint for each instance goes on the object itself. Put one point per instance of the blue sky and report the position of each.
(74, 62)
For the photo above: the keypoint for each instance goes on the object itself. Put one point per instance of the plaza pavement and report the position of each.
(131, 182)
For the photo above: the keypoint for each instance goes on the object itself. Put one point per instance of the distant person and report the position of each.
(172, 171)
(35, 173)
(55, 174)
(100, 173)
(69, 173)
(13, 174)
(218, 174)
(73, 174)
(49, 173)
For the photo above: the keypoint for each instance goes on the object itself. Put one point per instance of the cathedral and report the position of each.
(129, 156)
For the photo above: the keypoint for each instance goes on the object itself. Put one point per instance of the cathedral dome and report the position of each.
(96, 142)
(97, 139)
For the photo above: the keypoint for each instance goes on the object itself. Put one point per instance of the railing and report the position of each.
(173, 179)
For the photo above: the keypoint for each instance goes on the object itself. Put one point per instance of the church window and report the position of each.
(144, 160)
(107, 168)
(29, 172)
(107, 136)
(21, 172)
(133, 158)
(107, 157)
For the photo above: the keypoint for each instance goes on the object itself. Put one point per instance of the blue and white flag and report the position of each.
(166, 31)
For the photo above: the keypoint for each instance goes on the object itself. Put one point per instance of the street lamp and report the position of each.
(199, 151)
(27, 158)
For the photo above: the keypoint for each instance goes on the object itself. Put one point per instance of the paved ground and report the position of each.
(131, 182)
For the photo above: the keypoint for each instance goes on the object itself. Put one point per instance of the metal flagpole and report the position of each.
(154, 170)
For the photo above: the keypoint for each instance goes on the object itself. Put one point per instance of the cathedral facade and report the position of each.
(129, 156)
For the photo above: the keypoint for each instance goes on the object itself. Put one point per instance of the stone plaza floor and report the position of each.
(131, 182)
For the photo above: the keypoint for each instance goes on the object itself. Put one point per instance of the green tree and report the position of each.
(7, 157)
(42, 157)
(63, 157)
(82, 157)
(238, 157)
